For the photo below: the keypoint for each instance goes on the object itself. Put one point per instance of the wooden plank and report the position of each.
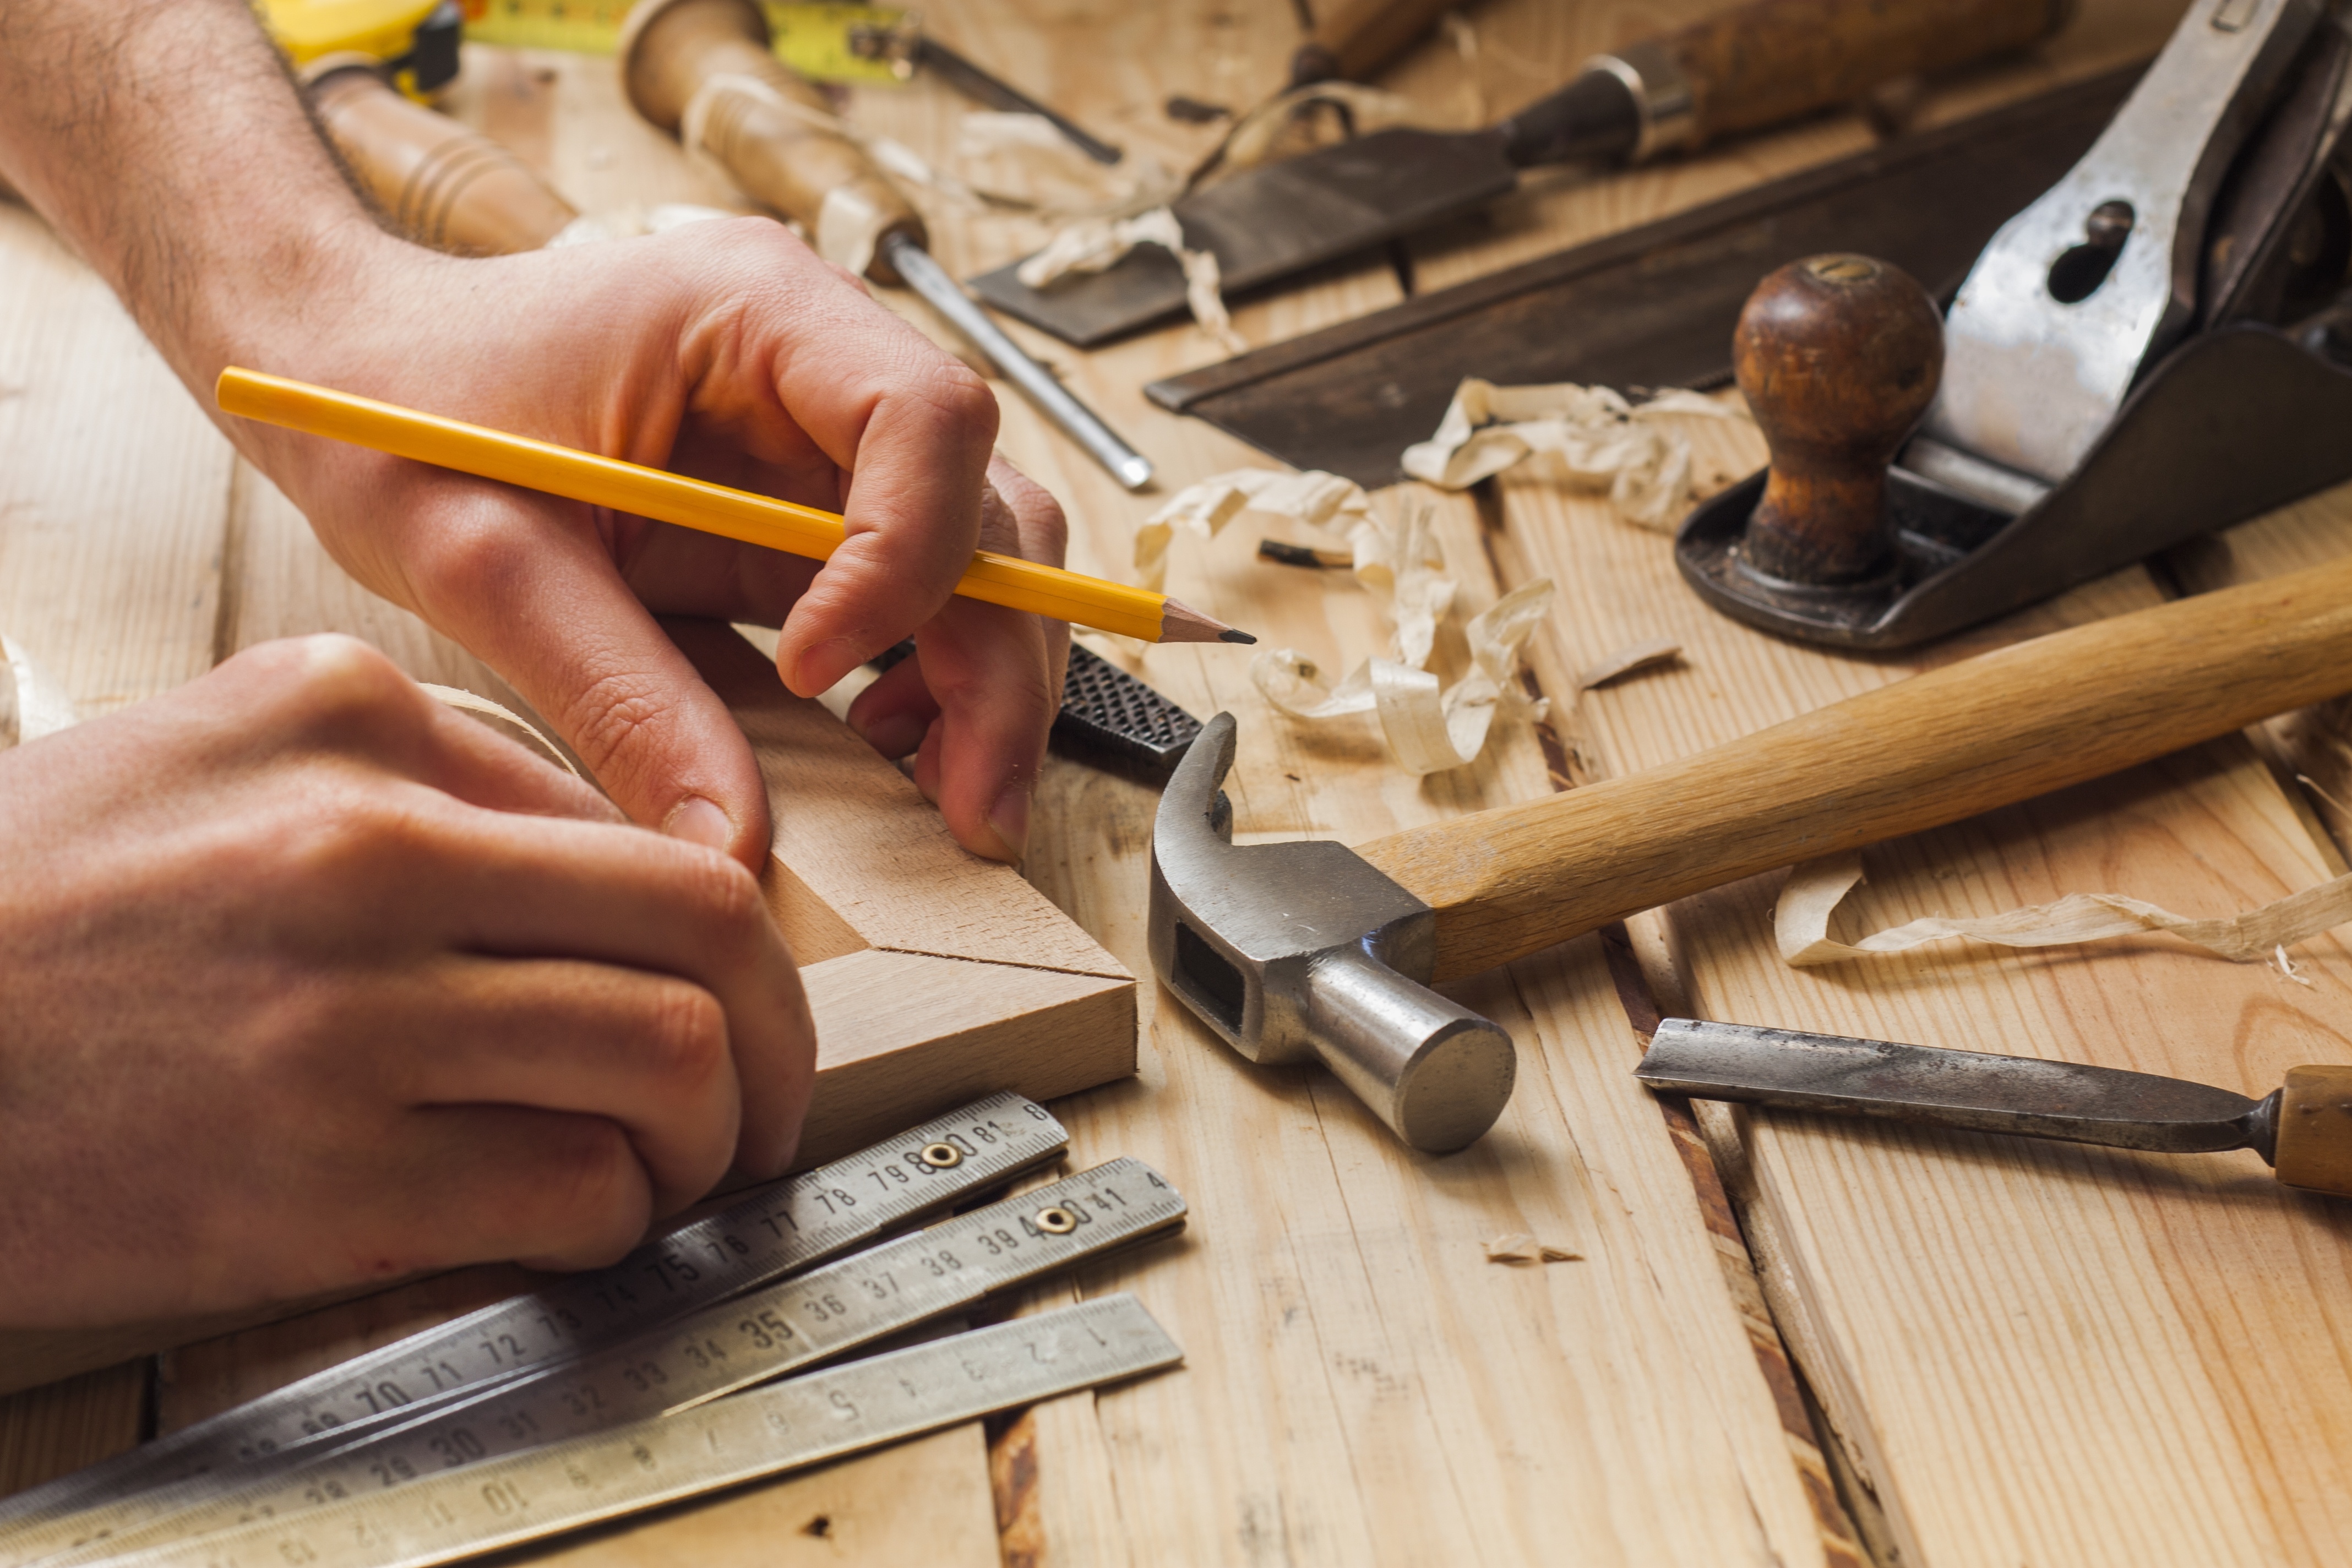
(1355, 1368)
(2035, 1353)
(46, 1432)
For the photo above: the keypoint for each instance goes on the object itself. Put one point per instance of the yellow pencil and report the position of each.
(759, 520)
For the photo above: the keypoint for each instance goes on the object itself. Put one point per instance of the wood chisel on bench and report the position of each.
(2303, 1130)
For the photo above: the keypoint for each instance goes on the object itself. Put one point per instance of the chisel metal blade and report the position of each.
(1971, 1089)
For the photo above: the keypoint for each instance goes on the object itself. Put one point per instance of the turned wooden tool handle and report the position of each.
(441, 184)
(1775, 60)
(673, 52)
(1970, 736)
(2314, 1130)
(1353, 38)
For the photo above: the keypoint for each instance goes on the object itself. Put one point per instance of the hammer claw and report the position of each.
(1302, 951)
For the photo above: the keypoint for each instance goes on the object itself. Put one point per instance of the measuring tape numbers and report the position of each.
(820, 1417)
(783, 1226)
(776, 1330)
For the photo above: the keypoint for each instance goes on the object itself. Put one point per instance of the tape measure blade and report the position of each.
(785, 1227)
(780, 1330)
(750, 1437)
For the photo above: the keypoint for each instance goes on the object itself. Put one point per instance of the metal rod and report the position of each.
(931, 280)
(998, 93)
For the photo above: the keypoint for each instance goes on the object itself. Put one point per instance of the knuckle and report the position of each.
(598, 1201)
(604, 721)
(684, 1037)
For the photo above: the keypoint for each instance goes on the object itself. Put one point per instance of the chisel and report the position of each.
(2303, 1129)
(1757, 65)
(703, 70)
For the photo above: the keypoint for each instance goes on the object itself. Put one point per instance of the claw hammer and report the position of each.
(1312, 951)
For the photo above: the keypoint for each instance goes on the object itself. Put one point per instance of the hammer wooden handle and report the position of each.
(1774, 60)
(1981, 733)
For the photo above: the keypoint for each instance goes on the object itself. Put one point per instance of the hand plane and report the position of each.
(2160, 346)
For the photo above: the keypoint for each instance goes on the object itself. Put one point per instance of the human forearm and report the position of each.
(164, 140)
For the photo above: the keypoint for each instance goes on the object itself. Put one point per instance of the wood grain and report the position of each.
(2034, 1354)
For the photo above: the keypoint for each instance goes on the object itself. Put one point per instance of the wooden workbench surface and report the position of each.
(2024, 1354)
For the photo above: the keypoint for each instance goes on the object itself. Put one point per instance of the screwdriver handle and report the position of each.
(2314, 1130)
(1353, 38)
(442, 184)
(1962, 739)
(1775, 60)
(769, 128)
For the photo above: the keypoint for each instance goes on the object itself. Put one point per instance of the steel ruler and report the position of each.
(785, 1226)
(695, 1359)
(810, 1419)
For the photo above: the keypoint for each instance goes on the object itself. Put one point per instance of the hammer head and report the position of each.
(1302, 951)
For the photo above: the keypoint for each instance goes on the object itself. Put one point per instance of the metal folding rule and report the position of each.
(375, 1462)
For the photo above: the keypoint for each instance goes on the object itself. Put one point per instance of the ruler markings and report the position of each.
(780, 1329)
(786, 1225)
(807, 1420)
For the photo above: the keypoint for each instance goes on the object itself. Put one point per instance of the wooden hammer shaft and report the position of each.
(1984, 732)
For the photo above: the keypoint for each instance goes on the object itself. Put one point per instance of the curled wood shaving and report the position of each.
(1293, 123)
(502, 719)
(1589, 436)
(1627, 659)
(1091, 244)
(1801, 920)
(1427, 731)
(33, 702)
(1023, 162)
(628, 221)
(1519, 1247)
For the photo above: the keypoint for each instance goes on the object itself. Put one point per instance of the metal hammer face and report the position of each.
(1304, 952)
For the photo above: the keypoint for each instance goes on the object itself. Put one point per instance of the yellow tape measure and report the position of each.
(812, 39)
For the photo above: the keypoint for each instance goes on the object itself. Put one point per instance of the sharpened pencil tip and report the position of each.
(1230, 635)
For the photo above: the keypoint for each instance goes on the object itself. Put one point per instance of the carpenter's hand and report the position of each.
(306, 980)
(728, 351)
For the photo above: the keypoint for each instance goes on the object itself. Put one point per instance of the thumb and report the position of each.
(550, 612)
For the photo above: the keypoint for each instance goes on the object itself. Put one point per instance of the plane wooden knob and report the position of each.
(1839, 357)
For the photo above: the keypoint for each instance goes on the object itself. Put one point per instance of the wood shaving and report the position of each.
(629, 222)
(1588, 437)
(1801, 920)
(1091, 244)
(1428, 729)
(1286, 126)
(33, 702)
(1024, 162)
(503, 720)
(1521, 1247)
(1626, 660)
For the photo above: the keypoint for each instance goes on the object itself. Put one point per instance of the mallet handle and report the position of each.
(1984, 732)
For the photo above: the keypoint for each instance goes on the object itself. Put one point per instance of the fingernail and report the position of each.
(895, 735)
(698, 821)
(1011, 821)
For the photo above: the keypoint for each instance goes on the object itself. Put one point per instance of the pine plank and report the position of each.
(2036, 1352)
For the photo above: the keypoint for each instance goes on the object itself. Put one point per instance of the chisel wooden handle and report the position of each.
(441, 184)
(769, 128)
(1773, 61)
(1353, 38)
(2314, 1130)
(1981, 733)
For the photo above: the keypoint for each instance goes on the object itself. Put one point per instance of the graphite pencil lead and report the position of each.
(1180, 623)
